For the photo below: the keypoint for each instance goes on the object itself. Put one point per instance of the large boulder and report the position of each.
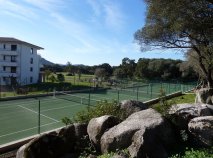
(144, 142)
(120, 136)
(202, 130)
(97, 127)
(181, 114)
(44, 146)
(132, 106)
(68, 136)
(204, 95)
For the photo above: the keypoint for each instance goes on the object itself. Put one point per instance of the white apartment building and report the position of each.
(19, 62)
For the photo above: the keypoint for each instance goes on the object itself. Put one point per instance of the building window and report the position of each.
(13, 58)
(13, 69)
(4, 79)
(31, 69)
(31, 50)
(31, 79)
(31, 60)
(4, 46)
(4, 68)
(4, 57)
(13, 47)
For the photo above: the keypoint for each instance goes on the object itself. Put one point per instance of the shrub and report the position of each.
(102, 108)
(199, 153)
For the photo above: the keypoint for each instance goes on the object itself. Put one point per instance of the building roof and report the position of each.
(14, 40)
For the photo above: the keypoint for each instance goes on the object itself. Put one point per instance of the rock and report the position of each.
(120, 136)
(44, 146)
(204, 95)
(202, 130)
(97, 126)
(20, 152)
(132, 106)
(82, 138)
(146, 141)
(181, 114)
(69, 138)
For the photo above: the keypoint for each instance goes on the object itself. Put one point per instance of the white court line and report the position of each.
(37, 113)
(27, 129)
(61, 107)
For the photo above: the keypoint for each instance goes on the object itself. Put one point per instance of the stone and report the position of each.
(97, 127)
(44, 146)
(204, 95)
(68, 136)
(132, 106)
(120, 136)
(202, 130)
(181, 114)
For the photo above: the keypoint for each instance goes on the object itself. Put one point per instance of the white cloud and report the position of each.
(114, 16)
(14, 9)
(47, 5)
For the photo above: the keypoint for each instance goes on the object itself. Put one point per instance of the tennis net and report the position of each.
(75, 98)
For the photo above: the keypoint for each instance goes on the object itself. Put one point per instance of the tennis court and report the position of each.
(20, 118)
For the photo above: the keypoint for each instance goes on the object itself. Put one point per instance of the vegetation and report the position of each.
(102, 108)
(181, 24)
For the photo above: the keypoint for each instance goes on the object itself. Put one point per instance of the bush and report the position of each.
(102, 108)
(199, 153)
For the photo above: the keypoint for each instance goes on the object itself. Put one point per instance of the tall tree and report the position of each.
(181, 24)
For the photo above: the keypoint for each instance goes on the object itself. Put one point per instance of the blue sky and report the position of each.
(89, 32)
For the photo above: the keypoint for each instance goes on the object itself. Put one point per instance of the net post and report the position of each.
(39, 116)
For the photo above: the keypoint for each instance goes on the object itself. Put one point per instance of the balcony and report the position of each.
(8, 74)
(8, 63)
(8, 52)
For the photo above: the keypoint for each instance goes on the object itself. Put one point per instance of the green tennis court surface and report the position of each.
(20, 118)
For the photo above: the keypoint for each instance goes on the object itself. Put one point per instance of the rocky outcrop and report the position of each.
(65, 142)
(120, 136)
(97, 127)
(202, 130)
(132, 106)
(44, 146)
(181, 114)
(204, 95)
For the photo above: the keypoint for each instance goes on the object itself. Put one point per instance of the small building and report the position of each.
(19, 62)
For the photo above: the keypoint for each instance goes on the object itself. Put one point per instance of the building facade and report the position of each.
(19, 62)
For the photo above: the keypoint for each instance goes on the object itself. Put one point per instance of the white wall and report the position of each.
(23, 63)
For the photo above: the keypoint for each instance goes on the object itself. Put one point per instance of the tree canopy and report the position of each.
(181, 24)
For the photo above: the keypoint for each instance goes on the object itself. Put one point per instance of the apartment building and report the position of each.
(19, 62)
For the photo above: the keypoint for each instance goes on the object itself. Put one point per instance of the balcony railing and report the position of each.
(9, 63)
(8, 52)
(8, 74)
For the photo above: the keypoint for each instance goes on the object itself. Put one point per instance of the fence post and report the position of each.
(118, 96)
(151, 90)
(39, 115)
(89, 97)
(137, 93)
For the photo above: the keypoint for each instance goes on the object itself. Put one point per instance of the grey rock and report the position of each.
(132, 106)
(44, 146)
(204, 95)
(181, 114)
(202, 130)
(97, 127)
(120, 136)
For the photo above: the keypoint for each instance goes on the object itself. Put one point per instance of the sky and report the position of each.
(89, 32)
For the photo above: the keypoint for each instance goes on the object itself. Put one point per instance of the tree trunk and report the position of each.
(209, 79)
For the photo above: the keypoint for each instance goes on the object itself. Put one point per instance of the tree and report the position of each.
(47, 74)
(118, 73)
(181, 24)
(69, 68)
(128, 67)
(101, 73)
(52, 78)
(107, 68)
(60, 78)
